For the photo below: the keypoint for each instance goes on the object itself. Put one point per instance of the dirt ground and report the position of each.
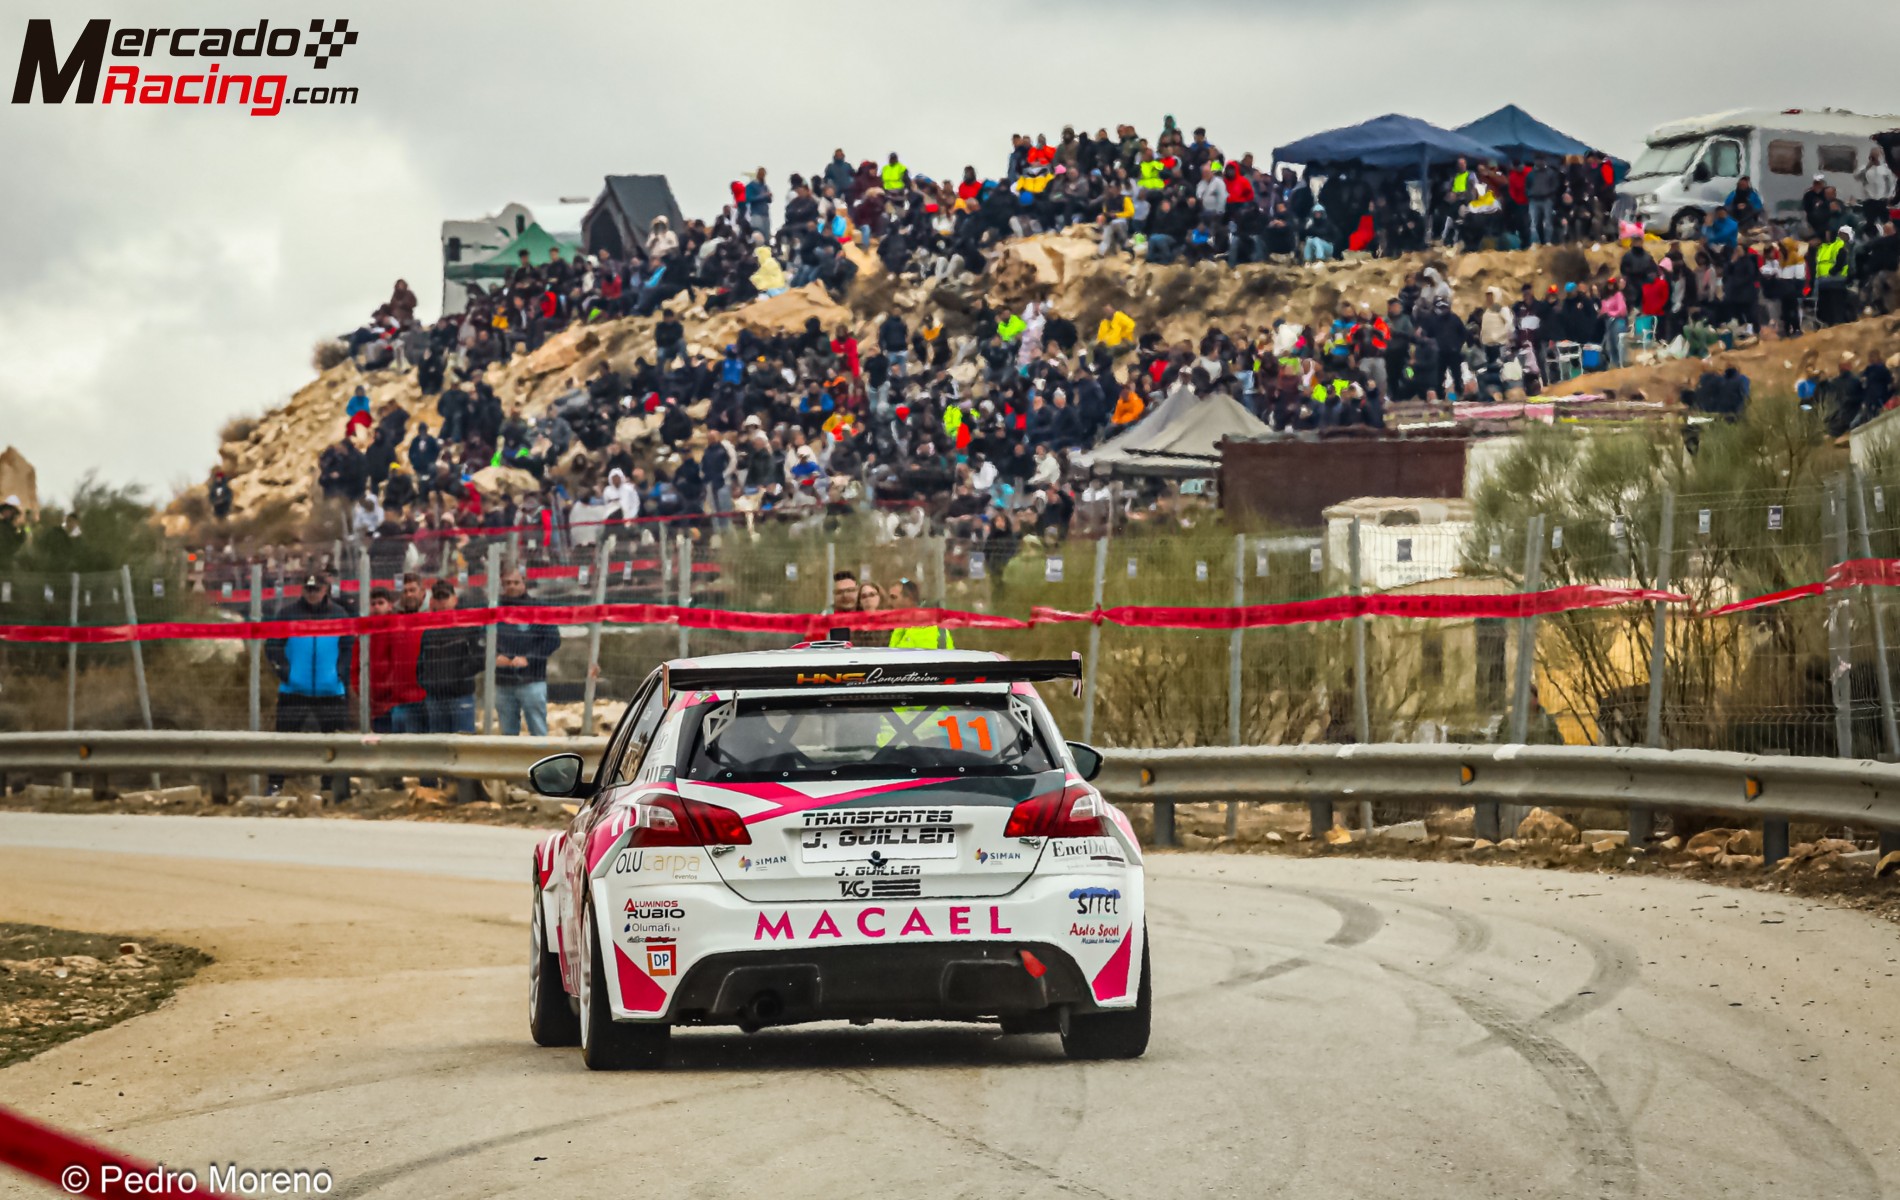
(56, 985)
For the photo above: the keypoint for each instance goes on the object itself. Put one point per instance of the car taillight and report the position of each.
(674, 821)
(1070, 813)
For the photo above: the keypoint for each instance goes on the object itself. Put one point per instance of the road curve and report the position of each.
(1323, 1028)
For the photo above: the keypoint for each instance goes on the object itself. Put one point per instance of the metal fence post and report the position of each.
(72, 680)
(1642, 822)
(1233, 671)
(138, 657)
(1361, 702)
(256, 647)
(666, 563)
(831, 569)
(1320, 817)
(1883, 670)
(1527, 632)
(601, 565)
(490, 633)
(1838, 618)
(686, 592)
(1492, 820)
(362, 643)
(1095, 639)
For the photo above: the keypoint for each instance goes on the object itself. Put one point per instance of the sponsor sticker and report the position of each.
(662, 958)
(986, 857)
(881, 841)
(876, 922)
(1096, 933)
(880, 889)
(1092, 901)
(675, 866)
(1094, 849)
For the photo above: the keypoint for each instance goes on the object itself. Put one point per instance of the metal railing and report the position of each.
(1770, 789)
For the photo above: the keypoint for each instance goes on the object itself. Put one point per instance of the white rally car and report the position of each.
(834, 833)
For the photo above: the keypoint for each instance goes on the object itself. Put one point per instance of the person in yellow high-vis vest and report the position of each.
(918, 637)
(1833, 302)
(894, 174)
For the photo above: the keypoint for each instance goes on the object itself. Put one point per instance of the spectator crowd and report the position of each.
(990, 428)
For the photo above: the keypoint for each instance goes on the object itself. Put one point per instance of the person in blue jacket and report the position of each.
(312, 670)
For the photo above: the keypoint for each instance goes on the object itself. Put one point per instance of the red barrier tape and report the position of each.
(809, 625)
(80, 1168)
(1773, 598)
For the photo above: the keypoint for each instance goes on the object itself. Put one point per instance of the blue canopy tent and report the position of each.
(1391, 141)
(1521, 137)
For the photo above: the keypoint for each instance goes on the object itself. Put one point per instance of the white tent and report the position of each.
(1179, 437)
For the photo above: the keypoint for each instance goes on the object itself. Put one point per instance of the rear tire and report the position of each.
(607, 1044)
(1119, 1034)
(551, 1017)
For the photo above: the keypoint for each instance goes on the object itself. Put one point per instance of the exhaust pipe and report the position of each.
(762, 1010)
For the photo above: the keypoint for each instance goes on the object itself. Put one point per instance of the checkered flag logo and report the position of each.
(329, 43)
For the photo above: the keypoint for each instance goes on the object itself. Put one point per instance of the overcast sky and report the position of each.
(162, 269)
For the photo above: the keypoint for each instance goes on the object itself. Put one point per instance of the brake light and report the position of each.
(1071, 813)
(675, 821)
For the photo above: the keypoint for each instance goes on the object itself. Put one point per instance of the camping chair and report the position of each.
(1810, 312)
(1564, 360)
(1642, 336)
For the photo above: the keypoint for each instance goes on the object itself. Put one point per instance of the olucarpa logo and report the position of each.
(263, 92)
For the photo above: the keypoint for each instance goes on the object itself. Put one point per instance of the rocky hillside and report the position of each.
(274, 463)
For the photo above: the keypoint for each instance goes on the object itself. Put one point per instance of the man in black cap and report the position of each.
(311, 668)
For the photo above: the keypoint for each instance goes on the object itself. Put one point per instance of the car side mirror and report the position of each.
(1088, 760)
(556, 775)
(1701, 172)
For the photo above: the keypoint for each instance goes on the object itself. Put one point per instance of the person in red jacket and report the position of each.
(395, 696)
(843, 344)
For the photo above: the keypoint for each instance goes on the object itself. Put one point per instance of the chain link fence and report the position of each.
(1804, 676)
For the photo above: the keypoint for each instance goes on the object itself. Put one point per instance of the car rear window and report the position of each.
(855, 737)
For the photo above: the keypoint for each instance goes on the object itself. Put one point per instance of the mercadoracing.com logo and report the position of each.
(238, 84)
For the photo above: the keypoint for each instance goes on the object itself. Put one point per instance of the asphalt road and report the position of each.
(1324, 1028)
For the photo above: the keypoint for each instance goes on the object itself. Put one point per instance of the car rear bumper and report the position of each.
(929, 981)
(687, 952)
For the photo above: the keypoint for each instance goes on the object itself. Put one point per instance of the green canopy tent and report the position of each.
(534, 239)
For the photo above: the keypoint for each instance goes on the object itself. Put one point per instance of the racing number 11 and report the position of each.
(953, 731)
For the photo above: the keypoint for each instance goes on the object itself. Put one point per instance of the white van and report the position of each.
(1691, 166)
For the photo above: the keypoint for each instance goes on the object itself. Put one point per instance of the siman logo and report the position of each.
(273, 48)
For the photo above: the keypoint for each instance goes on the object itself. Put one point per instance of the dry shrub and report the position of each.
(238, 429)
(327, 353)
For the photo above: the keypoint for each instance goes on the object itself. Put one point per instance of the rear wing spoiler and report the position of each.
(870, 676)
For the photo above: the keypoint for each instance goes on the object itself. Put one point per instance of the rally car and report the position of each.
(829, 833)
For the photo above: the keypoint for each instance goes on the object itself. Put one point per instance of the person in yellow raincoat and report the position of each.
(770, 277)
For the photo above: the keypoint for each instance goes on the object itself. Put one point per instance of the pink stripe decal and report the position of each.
(794, 801)
(638, 992)
(1111, 982)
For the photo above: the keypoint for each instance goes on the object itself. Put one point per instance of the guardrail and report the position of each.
(217, 752)
(1746, 787)
(1772, 789)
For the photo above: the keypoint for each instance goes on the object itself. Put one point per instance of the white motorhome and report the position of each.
(1691, 166)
